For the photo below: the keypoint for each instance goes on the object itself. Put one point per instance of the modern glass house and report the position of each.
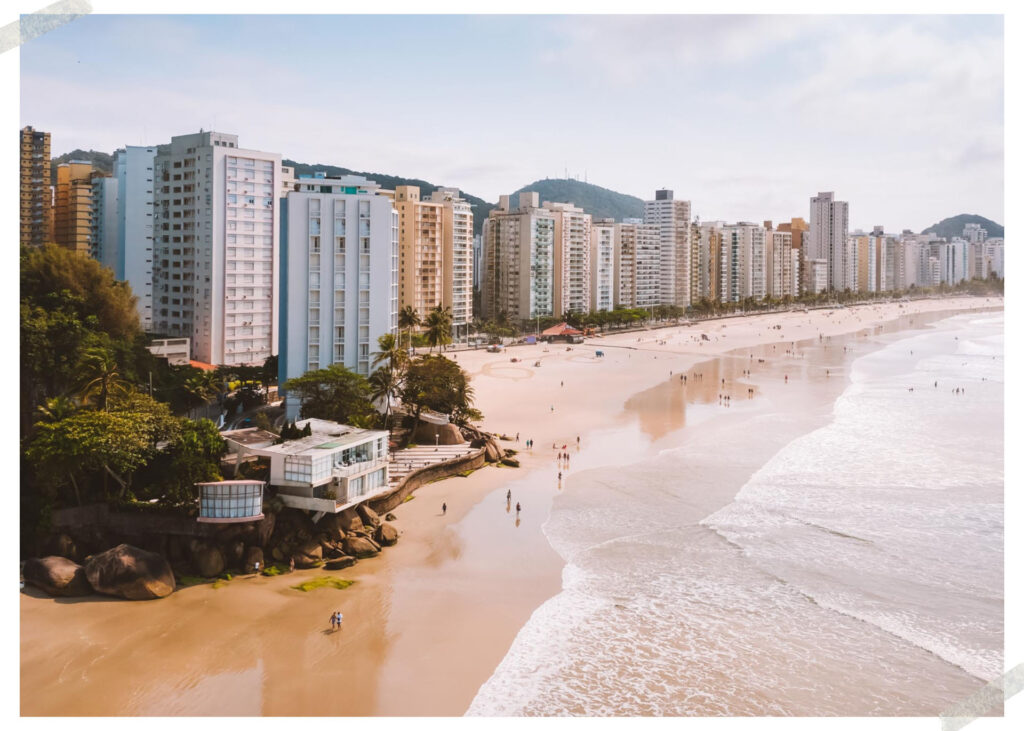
(338, 466)
(230, 501)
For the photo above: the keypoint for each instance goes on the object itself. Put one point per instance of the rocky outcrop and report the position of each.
(360, 546)
(57, 576)
(510, 461)
(208, 560)
(386, 535)
(130, 572)
(390, 516)
(343, 562)
(369, 517)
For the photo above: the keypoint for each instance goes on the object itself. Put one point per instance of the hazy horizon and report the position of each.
(748, 117)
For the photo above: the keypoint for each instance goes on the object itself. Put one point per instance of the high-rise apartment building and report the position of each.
(73, 208)
(637, 264)
(216, 233)
(709, 275)
(672, 217)
(602, 265)
(36, 196)
(828, 241)
(743, 262)
(518, 260)
(457, 269)
(783, 276)
(339, 275)
(420, 250)
(572, 258)
(799, 229)
(974, 233)
(128, 249)
(103, 242)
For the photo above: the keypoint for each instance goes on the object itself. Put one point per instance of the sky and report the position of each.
(746, 116)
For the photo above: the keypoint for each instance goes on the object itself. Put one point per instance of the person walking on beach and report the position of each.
(508, 496)
(339, 617)
(577, 441)
(518, 508)
(334, 621)
(517, 437)
(559, 476)
(444, 508)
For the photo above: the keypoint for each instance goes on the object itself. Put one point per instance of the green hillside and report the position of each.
(947, 228)
(388, 182)
(595, 200)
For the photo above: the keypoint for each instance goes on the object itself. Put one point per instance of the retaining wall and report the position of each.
(416, 478)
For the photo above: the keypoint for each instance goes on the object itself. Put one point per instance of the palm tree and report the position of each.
(439, 326)
(384, 387)
(408, 319)
(99, 377)
(390, 355)
(56, 408)
(199, 389)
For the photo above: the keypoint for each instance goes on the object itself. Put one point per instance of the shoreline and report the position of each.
(431, 618)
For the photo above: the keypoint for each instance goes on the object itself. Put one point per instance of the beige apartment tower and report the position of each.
(456, 257)
(420, 239)
(73, 210)
(572, 258)
(36, 195)
(435, 253)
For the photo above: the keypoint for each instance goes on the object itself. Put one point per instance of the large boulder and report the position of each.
(360, 547)
(390, 516)
(342, 562)
(308, 555)
(253, 556)
(368, 515)
(449, 434)
(492, 452)
(130, 572)
(208, 560)
(387, 534)
(57, 576)
(349, 521)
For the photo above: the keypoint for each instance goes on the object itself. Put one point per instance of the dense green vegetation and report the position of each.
(597, 201)
(90, 430)
(947, 228)
(419, 383)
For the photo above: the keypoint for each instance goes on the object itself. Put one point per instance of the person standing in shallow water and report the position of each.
(518, 508)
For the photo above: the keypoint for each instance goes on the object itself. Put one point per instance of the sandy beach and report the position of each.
(427, 621)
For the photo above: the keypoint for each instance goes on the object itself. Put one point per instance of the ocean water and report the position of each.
(858, 570)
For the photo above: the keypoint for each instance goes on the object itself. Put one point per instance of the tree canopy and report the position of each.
(433, 382)
(334, 393)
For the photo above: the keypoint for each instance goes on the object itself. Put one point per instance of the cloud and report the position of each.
(625, 48)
